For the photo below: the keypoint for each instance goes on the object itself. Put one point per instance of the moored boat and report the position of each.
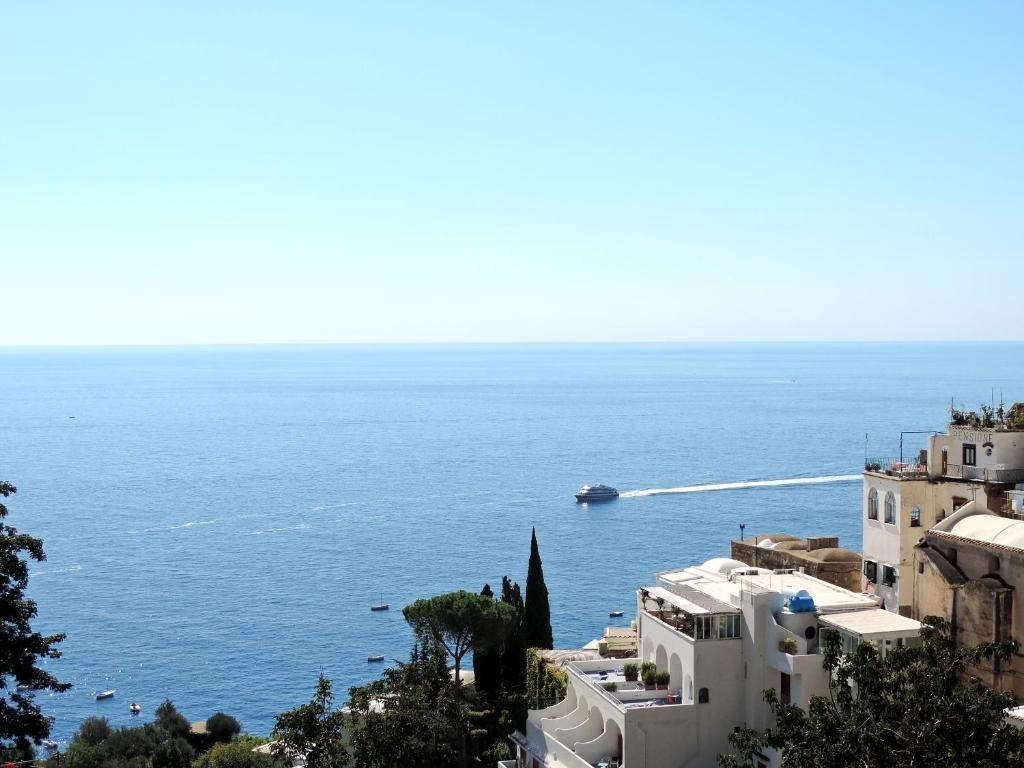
(614, 614)
(105, 694)
(375, 658)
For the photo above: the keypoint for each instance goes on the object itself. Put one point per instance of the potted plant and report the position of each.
(660, 601)
(650, 678)
(631, 671)
(788, 645)
(611, 686)
(662, 679)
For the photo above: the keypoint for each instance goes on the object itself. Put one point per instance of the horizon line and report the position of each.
(701, 342)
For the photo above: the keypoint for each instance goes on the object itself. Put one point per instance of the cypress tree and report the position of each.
(537, 617)
(513, 653)
(487, 663)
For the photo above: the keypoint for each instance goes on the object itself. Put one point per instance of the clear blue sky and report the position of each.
(293, 172)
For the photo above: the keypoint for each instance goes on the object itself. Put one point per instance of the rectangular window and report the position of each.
(970, 455)
(915, 517)
(871, 570)
(888, 576)
(728, 626)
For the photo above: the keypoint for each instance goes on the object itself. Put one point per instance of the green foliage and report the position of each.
(1015, 416)
(513, 651)
(94, 731)
(221, 727)
(172, 753)
(915, 707)
(171, 720)
(126, 744)
(236, 754)
(663, 678)
(456, 621)
(410, 717)
(487, 663)
(22, 722)
(630, 671)
(545, 684)
(82, 754)
(648, 667)
(650, 677)
(537, 616)
(314, 730)
(611, 687)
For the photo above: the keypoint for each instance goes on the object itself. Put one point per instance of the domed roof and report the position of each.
(990, 528)
(723, 565)
(792, 545)
(835, 555)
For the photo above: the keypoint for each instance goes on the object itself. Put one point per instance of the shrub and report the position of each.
(81, 754)
(171, 720)
(221, 727)
(648, 666)
(94, 730)
(610, 686)
(630, 671)
(788, 645)
(237, 754)
(663, 678)
(173, 753)
(650, 677)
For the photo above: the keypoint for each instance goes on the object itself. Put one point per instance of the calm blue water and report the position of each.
(219, 520)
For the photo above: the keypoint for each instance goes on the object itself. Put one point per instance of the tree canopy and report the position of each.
(537, 617)
(221, 727)
(916, 706)
(456, 622)
(409, 717)
(22, 722)
(315, 730)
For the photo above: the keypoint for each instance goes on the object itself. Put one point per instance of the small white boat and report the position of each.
(381, 606)
(105, 694)
(375, 658)
(134, 708)
(50, 745)
(614, 614)
(23, 688)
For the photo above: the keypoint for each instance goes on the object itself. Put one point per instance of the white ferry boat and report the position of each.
(597, 492)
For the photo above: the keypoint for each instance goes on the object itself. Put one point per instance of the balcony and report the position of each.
(1000, 473)
(907, 467)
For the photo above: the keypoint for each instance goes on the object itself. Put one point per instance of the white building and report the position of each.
(724, 632)
(903, 498)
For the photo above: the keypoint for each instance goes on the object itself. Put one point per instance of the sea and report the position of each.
(218, 520)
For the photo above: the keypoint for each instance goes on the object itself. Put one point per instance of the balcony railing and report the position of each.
(905, 467)
(997, 474)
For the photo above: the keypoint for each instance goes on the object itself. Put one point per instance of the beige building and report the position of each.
(903, 498)
(817, 556)
(967, 570)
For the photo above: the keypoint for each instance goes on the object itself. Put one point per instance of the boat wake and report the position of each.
(735, 486)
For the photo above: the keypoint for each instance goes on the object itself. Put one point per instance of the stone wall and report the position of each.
(818, 556)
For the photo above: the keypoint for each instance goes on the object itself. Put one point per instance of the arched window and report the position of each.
(872, 504)
(890, 508)
(703, 696)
